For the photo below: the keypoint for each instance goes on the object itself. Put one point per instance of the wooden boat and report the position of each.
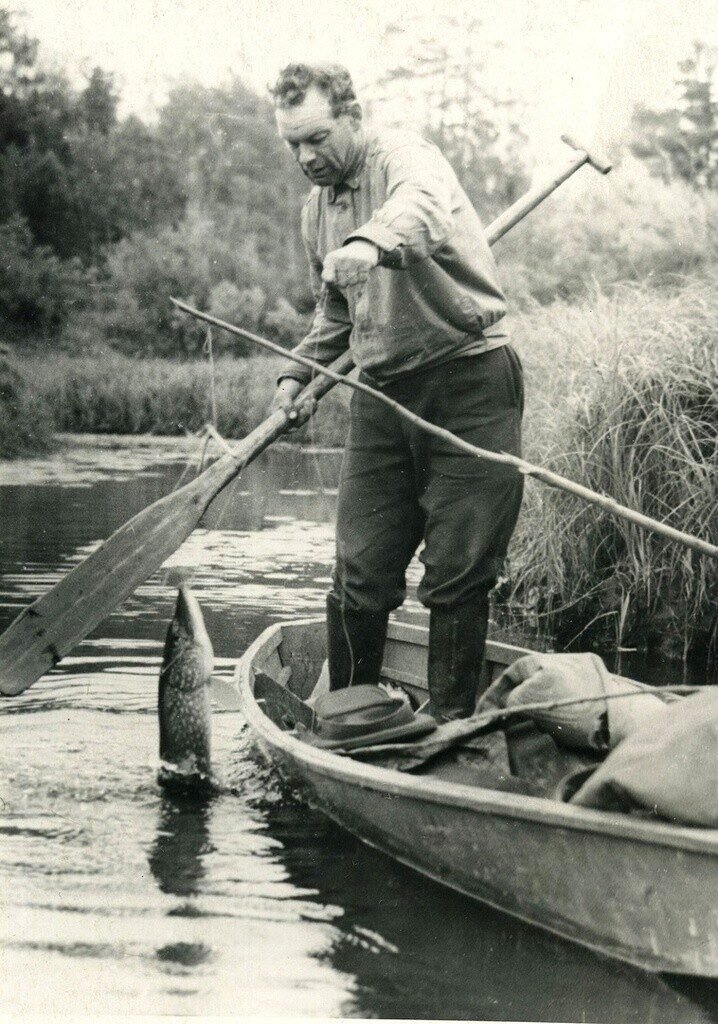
(643, 891)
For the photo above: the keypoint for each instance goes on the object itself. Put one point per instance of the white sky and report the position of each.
(577, 64)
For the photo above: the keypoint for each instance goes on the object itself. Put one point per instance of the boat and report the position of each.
(637, 889)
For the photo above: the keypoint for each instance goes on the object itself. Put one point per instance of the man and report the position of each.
(403, 275)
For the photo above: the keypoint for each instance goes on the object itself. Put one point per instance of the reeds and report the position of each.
(629, 407)
(622, 395)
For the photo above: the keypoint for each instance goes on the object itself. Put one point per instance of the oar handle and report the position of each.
(320, 384)
(518, 210)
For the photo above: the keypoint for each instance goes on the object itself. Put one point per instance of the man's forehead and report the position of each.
(313, 112)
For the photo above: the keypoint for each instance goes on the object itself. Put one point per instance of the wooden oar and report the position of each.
(546, 476)
(49, 628)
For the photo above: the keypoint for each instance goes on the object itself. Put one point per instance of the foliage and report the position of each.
(239, 173)
(633, 414)
(626, 227)
(37, 289)
(80, 178)
(26, 424)
(131, 310)
(445, 82)
(682, 141)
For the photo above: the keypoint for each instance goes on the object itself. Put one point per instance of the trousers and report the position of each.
(400, 486)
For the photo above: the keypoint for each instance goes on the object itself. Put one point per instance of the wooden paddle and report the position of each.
(48, 629)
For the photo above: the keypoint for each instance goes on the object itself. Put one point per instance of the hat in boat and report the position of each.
(359, 716)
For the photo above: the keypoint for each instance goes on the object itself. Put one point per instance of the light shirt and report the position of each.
(434, 295)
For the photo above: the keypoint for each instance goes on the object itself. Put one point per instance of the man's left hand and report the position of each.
(350, 264)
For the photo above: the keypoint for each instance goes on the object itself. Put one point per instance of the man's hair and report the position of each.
(332, 79)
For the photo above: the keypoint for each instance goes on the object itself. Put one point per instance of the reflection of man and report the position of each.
(404, 276)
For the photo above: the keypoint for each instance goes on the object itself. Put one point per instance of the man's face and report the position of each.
(322, 145)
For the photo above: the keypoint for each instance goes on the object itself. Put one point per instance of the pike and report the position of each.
(183, 706)
(55, 623)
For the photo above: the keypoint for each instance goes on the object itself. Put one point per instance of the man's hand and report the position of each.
(287, 390)
(350, 264)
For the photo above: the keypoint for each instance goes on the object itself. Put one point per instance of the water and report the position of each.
(119, 899)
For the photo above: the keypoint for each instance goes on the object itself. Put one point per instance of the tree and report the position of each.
(445, 81)
(98, 102)
(682, 141)
(239, 173)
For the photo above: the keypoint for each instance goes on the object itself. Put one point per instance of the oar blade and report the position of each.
(49, 628)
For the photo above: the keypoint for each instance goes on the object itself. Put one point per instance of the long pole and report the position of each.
(48, 629)
(546, 476)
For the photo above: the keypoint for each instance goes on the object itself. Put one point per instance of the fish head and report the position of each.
(188, 649)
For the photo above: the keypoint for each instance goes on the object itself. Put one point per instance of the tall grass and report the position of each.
(26, 424)
(623, 397)
(119, 395)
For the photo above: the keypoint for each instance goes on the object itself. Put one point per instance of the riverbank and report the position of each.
(113, 394)
(622, 395)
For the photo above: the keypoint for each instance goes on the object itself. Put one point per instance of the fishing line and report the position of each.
(207, 349)
(191, 460)
(339, 554)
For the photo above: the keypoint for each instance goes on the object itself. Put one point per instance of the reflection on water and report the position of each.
(122, 899)
(177, 856)
(418, 950)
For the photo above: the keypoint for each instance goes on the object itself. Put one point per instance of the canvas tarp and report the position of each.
(669, 766)
(597, 725)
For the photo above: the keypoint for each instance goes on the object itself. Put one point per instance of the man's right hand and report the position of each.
(287, 391)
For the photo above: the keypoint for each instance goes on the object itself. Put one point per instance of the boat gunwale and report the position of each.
(471, 798)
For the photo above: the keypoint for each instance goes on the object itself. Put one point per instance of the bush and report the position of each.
(26, 425)
(131, 310)
(37, 289)
(625, 227)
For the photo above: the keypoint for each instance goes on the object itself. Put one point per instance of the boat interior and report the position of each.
(516, 758)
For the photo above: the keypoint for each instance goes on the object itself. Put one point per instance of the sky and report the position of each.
(577, 65)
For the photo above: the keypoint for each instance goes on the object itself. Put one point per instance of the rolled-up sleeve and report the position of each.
(416, 217)
(331, 327)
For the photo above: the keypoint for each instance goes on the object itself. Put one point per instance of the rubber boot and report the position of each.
(457, 640)
(355, 645)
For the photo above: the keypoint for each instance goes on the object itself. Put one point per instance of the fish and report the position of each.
(184, 708)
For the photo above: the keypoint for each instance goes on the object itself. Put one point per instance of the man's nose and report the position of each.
(306, 154)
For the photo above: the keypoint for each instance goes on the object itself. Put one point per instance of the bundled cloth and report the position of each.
(593, 725)
(662, 749)
(668, 767)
